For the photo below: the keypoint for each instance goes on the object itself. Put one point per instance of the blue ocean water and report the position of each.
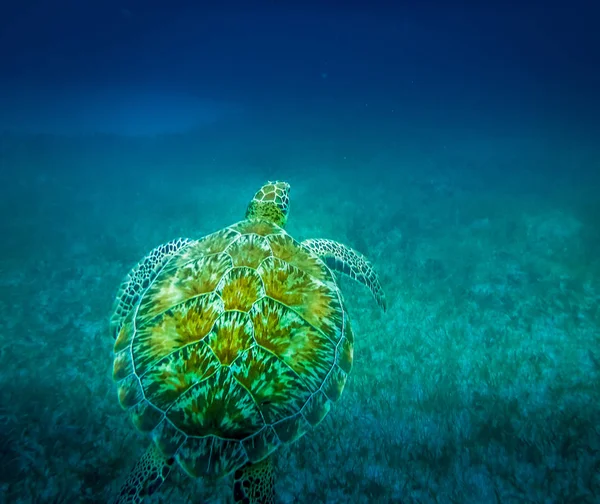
(454, 144)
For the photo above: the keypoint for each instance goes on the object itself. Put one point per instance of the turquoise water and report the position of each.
(479, 210)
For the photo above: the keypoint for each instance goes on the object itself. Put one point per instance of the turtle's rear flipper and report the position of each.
(145, 478)
(254, 483)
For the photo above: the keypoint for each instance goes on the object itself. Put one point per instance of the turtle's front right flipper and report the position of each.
(139, 278)
(146, 477)
(348, 261)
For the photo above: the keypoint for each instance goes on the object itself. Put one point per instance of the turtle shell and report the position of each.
(240, 343)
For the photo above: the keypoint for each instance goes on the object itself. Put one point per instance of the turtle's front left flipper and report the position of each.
(254, 483)
(146, 477)
(348, 261)
(139, 278)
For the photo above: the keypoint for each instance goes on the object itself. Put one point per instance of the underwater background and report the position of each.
(456, 144)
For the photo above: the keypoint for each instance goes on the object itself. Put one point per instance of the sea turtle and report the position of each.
(229, 346)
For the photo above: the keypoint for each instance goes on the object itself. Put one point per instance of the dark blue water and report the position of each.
(454, 144)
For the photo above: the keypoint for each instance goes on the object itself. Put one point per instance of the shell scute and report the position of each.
(249, 250)
(168, 438)
(145, 416)
(217, 406)
(334, 383)
(240, 288)
(290, 429)
(309, 353)
(129, 392)
(210, 456)
(231, 336)
(316, 302)
(168, 379)
(214, 243)
(182, 325)
(122, 365)
(273, 385)
(197, 277)
(261, 444)
(287, 249)
(317, 408)
(346, 351)
(124, 336)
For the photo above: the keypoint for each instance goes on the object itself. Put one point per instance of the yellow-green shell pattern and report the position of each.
(239, 343)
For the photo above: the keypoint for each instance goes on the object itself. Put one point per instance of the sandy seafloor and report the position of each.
(481, 382)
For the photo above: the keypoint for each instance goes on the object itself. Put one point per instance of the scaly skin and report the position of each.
(146, 477)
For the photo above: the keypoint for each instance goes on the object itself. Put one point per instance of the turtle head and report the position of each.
(271, 203)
